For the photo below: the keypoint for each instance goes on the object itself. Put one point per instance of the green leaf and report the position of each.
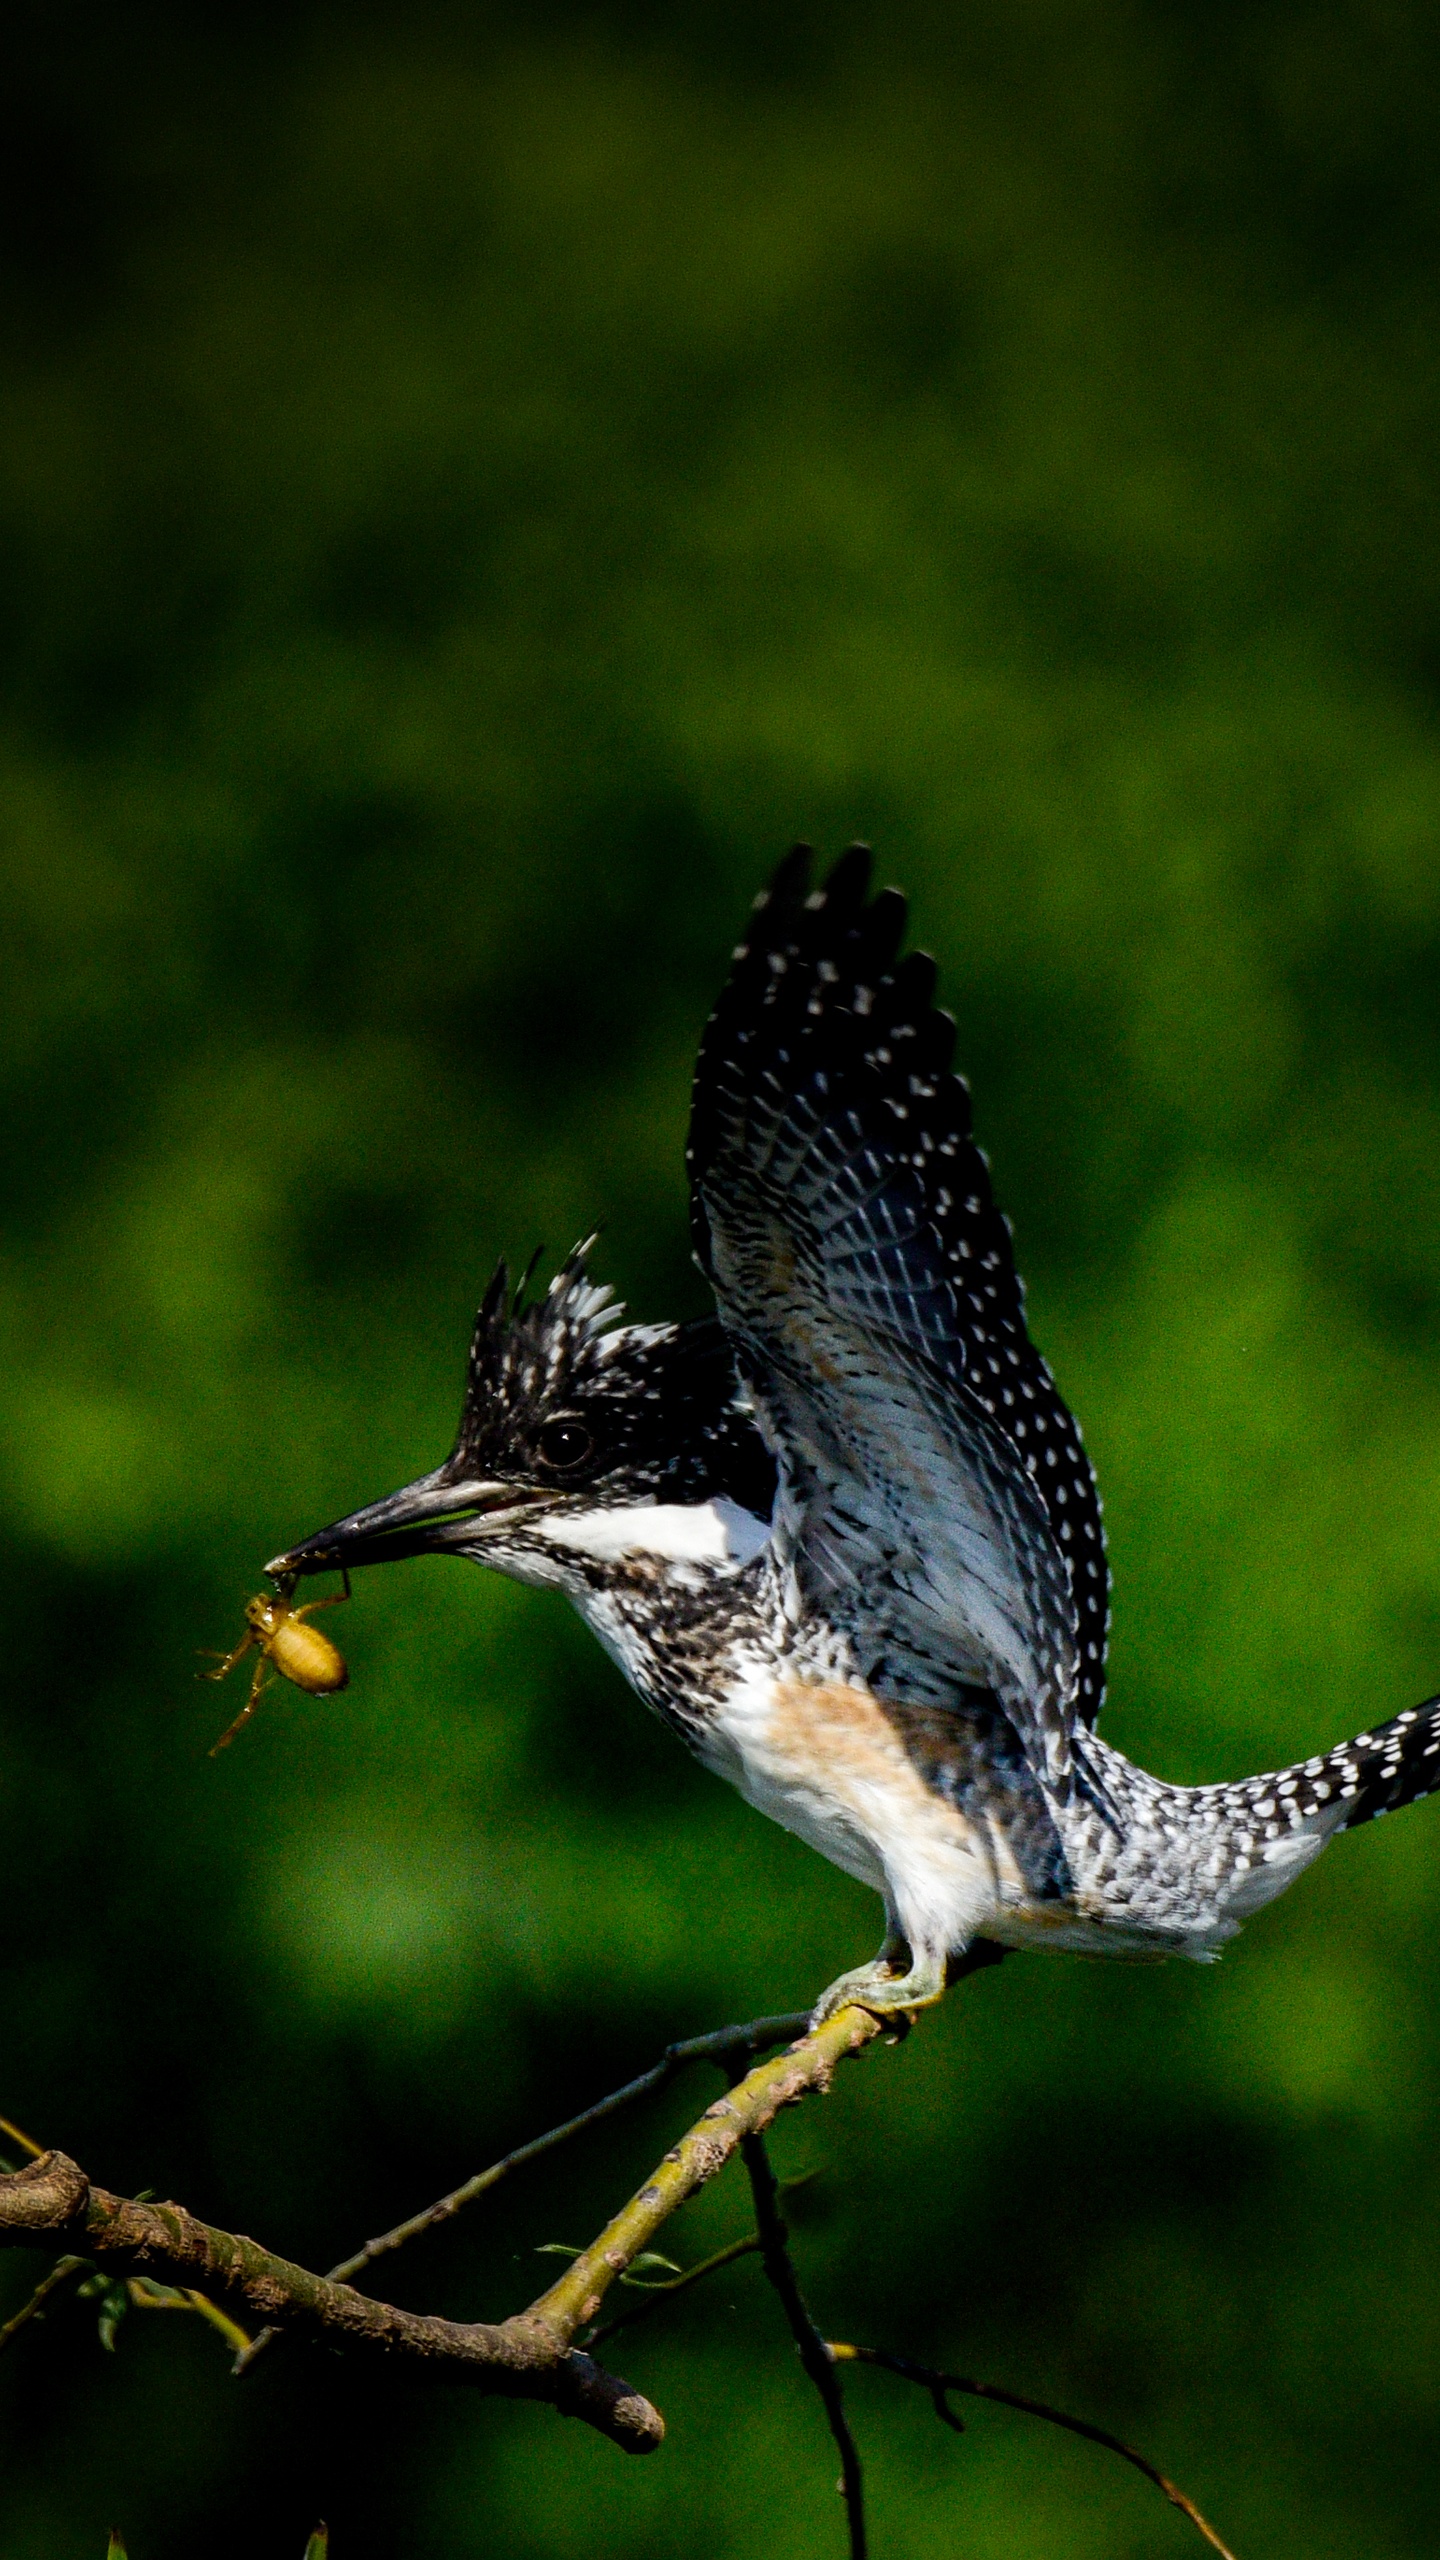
(556, 2249)
(663, 2272)
(115, 2549)
(114, 2303)
(318, 2546)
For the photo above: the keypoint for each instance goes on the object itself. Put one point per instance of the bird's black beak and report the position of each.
(438, 1514)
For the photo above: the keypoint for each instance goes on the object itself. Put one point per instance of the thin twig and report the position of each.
(817, 2359)
(35, 2149)
(655, 2294)
(147, 2295)
(718, 2046)
(938, 2384)
(230, 2330)
(59, 2274)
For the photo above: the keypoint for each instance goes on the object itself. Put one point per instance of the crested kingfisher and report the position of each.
(843, 1536)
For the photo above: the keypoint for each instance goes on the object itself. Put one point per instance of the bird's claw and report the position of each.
(884, 1990)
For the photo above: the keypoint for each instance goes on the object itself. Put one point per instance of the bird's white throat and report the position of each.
(718, 1533)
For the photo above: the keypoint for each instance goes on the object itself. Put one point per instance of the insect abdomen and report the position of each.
(303, 1655)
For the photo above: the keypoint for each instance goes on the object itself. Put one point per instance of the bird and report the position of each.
(842, 1536)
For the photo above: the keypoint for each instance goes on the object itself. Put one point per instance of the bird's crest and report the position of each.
(529, 1354)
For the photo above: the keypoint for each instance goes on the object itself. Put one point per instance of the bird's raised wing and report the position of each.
(935, 1501)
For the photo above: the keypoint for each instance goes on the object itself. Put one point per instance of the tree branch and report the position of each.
(818, 2360)
(50, 2202)
(53, 2200)
(718, 2046)
(938, 2384)
(530, 2356)
(750, 2106)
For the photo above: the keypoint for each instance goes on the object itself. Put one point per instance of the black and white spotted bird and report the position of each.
(846, 1540)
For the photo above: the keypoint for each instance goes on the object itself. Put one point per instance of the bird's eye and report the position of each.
(564, 1446)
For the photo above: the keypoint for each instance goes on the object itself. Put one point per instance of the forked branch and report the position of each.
(939, 2386)
(724, 2045)
(51, 2203)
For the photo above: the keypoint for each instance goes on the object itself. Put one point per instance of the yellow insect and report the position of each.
(298, 1652)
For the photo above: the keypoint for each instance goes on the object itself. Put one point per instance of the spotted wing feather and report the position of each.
(934, 1490)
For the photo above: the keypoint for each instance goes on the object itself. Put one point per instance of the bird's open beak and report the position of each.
(434, 1515)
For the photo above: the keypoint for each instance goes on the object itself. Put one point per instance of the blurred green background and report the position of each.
(475, 484)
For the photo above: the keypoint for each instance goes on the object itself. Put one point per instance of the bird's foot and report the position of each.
(883, 1988)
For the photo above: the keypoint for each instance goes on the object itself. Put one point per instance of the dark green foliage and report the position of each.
(475, 484)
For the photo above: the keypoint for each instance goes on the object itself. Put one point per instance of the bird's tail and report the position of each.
(1193, 1862)
(1279, 1821)
(1377, 1772)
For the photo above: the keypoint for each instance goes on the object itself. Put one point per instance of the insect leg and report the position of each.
(333, 1602)
(258, 1686)
(230, 1660)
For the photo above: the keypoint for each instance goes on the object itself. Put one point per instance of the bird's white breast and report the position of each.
(825, 1761)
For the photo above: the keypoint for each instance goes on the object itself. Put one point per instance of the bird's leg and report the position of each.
(230, 1659)
(899, 1978)
(258, 1686)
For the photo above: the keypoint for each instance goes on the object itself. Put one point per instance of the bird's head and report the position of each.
(582, 1440)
